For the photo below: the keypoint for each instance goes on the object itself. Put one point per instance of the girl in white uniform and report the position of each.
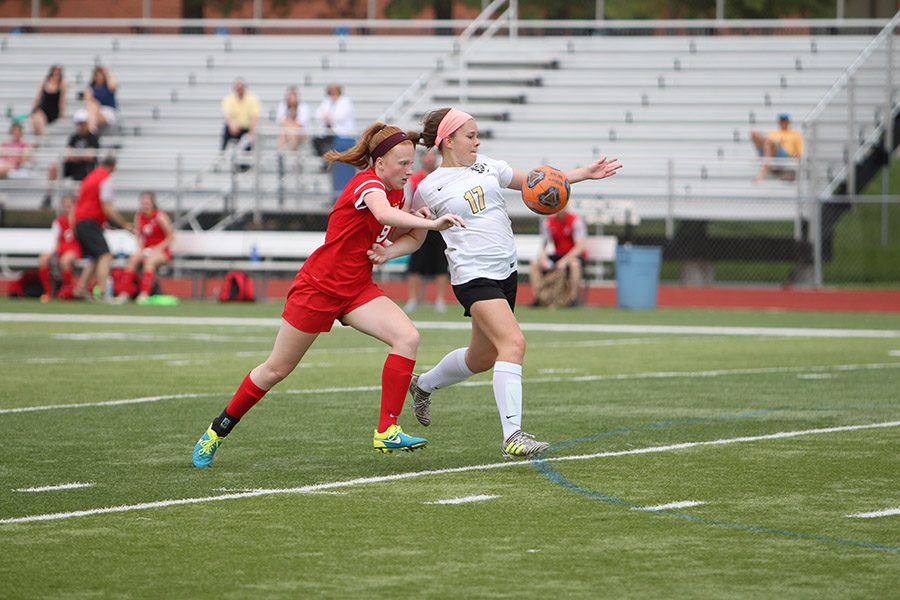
(482, 259)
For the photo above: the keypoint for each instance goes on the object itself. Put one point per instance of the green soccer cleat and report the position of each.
(523, 445)
(393, 438)
(421, 402)
(206, 448)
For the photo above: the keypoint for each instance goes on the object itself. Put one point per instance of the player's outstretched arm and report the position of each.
(386, 214)
(599, 169)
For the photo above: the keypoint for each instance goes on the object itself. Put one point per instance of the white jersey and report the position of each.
(485, 247)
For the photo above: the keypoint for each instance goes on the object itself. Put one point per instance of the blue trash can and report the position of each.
(637, 276)
(341, 173)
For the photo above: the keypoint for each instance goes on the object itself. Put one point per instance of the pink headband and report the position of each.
(388, 143)
(452, 121)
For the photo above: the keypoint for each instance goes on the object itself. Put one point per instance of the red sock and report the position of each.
(395, 378)
(244, 398)
(127, 282)
(147, 282)
(67, 278)
(44, 274)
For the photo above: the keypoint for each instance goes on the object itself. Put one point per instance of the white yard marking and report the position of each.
(530, 380)
(145, 336)
(321, 493)
(416, 474)
(53, 488)
(888, 512)
(106, 403)
(813, 376)
(464, 500)
(670, 505)
(894, 352)
(465, 326)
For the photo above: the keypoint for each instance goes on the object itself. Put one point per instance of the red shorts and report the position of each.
(311, 310)
(167, 252)
(74, 247)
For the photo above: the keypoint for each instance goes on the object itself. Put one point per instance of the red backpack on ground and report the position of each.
(237, 287)
(28, 285)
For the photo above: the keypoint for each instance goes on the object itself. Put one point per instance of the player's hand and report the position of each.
(447, 221)
(603, 168)
(377, 254)
(423, 212)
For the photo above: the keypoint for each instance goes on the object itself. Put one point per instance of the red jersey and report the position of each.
(150, 230)
(416, 178)
(340, 266)
(89, 198)
(65, 241)
(562, 231)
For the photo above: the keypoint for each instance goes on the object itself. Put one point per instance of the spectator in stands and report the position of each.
(241, 111)
(336, 119)
(100, 100)
(483, 272)
(783, 142)
(66, 251)
(293, 118)
(566, 232)
(92, 211)
(335, 282)
(429, 260)
(155, 233)
(80, 157)
(50, 101)
(14, 154)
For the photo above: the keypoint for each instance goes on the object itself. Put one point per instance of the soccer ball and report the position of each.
(546, 190)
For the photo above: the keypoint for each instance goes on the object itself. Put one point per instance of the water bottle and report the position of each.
(254, 253)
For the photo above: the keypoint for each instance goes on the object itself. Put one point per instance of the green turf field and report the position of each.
(777, 433)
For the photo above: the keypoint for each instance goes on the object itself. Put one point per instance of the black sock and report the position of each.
(223, 424)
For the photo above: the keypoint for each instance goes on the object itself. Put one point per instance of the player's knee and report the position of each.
(273, 372)
(408, 341)
(515, 347)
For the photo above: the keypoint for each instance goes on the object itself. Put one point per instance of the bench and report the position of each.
(263, 254)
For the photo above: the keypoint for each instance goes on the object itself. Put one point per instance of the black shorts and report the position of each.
(555, 258)
(482, 288)
(90, 236)
(429, 259)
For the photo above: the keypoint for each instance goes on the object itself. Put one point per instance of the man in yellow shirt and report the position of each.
(783, 142)
(241, 110)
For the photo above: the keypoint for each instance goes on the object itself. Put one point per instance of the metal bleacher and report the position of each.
(676, 110)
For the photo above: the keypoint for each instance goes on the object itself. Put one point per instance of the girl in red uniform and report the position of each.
(335, 282)
(67, 249)
(155, 233)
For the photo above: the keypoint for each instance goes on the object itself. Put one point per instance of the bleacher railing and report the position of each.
(821, 179)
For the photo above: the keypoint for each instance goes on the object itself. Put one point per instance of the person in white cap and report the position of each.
(80, 157)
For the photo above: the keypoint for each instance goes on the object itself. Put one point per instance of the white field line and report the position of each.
(145, 336)
(530, 380)
(105, 403)
(670, 505)
(814, 376)
(464, 499)
(888, 512)
(465, 326)
(306, 489)
(894, 352)
(53, 488)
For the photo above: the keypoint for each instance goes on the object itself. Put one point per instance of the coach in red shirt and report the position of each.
(92, 211)
(566, 232)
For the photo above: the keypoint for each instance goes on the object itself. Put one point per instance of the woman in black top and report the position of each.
(50, 101)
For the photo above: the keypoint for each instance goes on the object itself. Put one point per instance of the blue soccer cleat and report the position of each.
(393, 438)
(206, 448)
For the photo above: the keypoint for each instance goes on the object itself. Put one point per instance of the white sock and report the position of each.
(508, 395)
(452, 369)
